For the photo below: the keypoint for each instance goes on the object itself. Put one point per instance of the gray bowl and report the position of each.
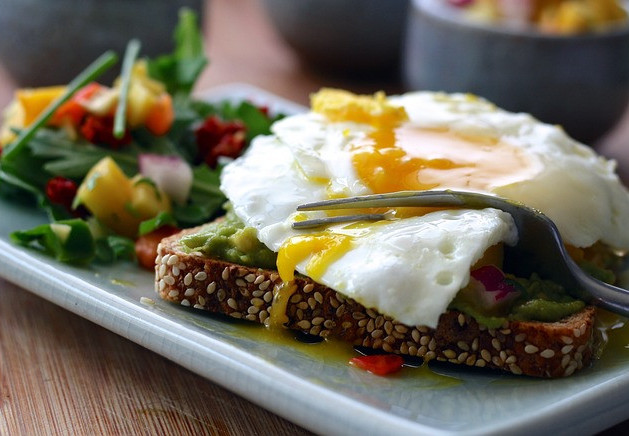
(342, 36)
(48, 42)
(580, 82)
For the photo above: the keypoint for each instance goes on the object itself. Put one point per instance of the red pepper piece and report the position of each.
(73, 110)
(216, 137)
(99, 130)
(379, 364)
(62, 191)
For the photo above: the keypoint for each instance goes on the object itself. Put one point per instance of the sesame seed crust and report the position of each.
(522, 347)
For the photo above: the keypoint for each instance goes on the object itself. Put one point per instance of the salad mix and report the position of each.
(116, 168)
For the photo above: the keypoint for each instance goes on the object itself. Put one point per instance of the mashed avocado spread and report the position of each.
(539, 300)
(230, 240)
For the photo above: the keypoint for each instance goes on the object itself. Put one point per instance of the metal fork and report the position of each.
(539, 248)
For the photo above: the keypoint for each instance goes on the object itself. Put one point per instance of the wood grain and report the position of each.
(61, 374)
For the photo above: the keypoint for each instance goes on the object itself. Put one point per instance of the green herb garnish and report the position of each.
(131, 54)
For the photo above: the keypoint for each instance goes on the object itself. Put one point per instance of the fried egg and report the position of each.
(411, 267)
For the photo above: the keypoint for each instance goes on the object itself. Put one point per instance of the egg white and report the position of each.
(411, 269)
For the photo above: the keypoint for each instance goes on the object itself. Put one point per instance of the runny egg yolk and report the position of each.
(398, 156)
(325, 248)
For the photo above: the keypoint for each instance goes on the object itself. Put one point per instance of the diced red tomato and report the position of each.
(379, 364)
(146, 245)
(216, 137)
(100, 130)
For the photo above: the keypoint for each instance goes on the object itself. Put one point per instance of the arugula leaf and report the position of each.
(111, 248)
(161, 220)
(66, 240)
(180, 70)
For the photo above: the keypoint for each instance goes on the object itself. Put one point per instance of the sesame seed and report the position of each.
(312, 303)
(430, 355)
(200, 276)
(376, 333)
(424, 340)
(211, 288)
(370, 313)
(318, 297)
(174, 293)
(511, 360)
(547, 353)
(264, 285)
(582, 329)
(581, 348)
(263, 315)
(268, 296)
(496, 360)
(520, 337)
(315, 330)
(147, 301)
(182, 266)
(303, 305)
(251, 317)
(531, 349)
(241, 283)
(198, 306)
(232, 303)
(380, 322)
(566, 349)
(257, 293)
(363, 322)
(201, 300)
(295, 298)
(461, 319)
(386, 347)
(463, 346)
(169, 280)
(566, 340)
(175, 271)
(422, 329)
(253, 310)
(415, 335)
(371, 325)
(187, 280)
(422, 351)
(496, 344)
(162, 270)
(308, 288)
(412, 350)
(461, 357)
(340, 311)
(565, 360)
(471, 360)
(172, 260)
(257, 302)
(304, 324)
(318, 320)
(236, 315)
(480, 363)
(485, 354)
(475, 344)
(250, 277)
(515, 369)
(329, 324)
(503, 356)
(333, 301)
(576, 333)
(165, 259)
(225, 273)
(432, 345)
(162, 285)
(570, 369)
(189, 292)
(358, 315)
(221, 294)
(388, 327)
(185, 302)
(259, 279)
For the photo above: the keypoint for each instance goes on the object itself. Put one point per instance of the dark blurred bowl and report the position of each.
(343, 36)
(580, 82)
(48, 42)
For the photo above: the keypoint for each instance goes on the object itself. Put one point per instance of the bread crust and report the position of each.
(538, 349)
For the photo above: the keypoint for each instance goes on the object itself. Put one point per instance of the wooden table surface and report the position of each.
(61, 374)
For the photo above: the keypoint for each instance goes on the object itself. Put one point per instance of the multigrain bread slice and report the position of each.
(538, 349)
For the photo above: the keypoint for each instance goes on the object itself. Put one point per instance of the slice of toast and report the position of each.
(539, 349)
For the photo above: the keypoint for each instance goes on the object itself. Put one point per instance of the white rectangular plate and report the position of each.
(323, 394)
